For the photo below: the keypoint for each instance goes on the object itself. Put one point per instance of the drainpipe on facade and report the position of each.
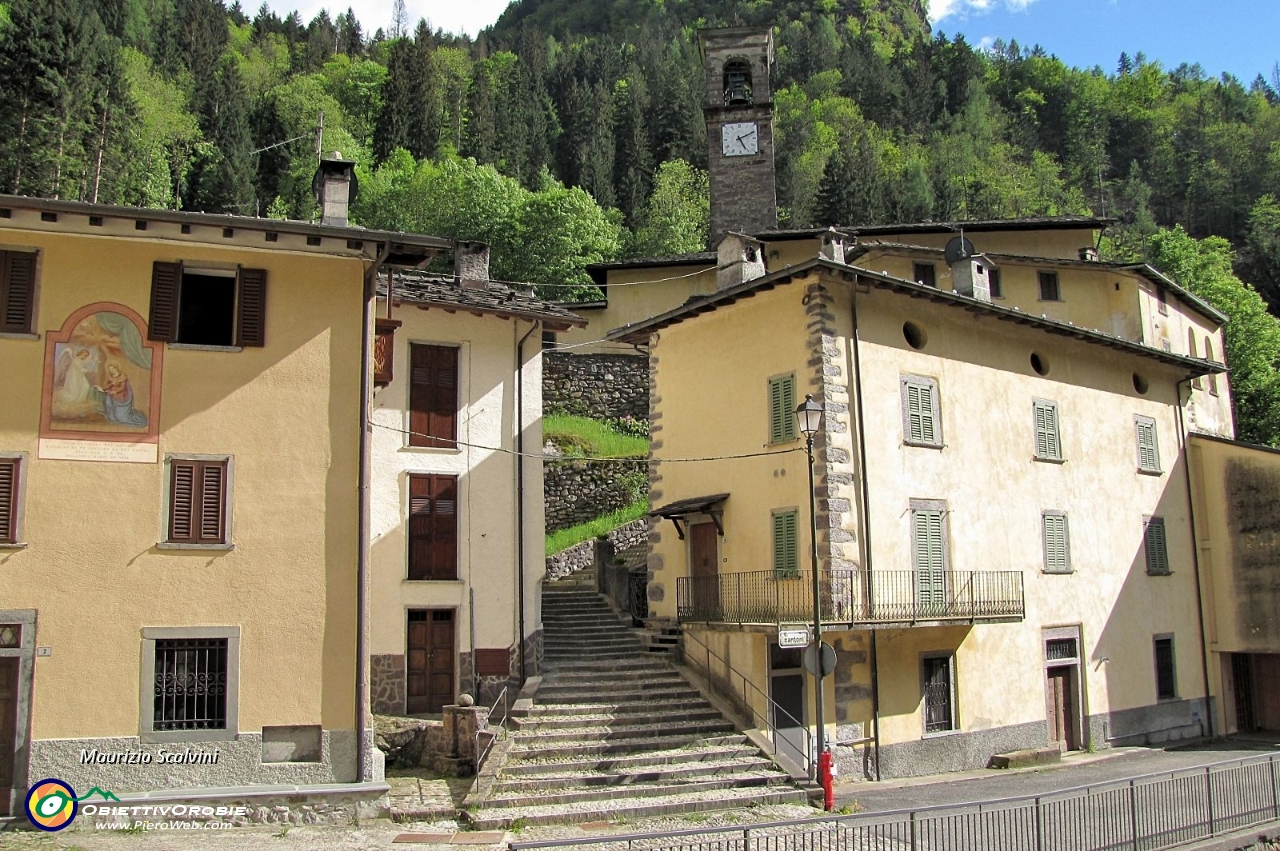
(1195, 556)
(524, 673)
(866, 516)
(363, 754)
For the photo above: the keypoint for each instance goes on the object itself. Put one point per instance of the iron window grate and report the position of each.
(938, 715)
(1060, 649)
(191, 684)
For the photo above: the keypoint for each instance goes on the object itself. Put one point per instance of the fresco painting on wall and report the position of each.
(101, 385)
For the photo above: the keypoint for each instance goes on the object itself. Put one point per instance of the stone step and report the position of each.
(572, 795)
(554, 659)
(627, 674)
(633, 808)
(589, 733)
(639, 774)
(653, 716)
(568, 618)
(582, 678)
(574, 693)
(535, 748)
(572, 639)
(684, 756)
(676, 705)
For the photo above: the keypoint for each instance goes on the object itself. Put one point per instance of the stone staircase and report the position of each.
(616, 732)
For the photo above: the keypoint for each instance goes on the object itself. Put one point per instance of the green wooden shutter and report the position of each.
(922, 426)
(1047, 442)
(1148, 449)
(1156, 546)
(782, 407)
(1057, 552)
(930, 558)
(786, 545)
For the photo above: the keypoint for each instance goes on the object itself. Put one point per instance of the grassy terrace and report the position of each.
(582, 437)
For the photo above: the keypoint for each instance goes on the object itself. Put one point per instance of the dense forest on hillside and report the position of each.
(572, 130)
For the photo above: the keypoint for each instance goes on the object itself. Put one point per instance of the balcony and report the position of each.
(853, 598)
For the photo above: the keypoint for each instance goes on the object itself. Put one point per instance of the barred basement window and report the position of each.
(939, 703)
(1060, 649)
(1166, 671)
(190, 684)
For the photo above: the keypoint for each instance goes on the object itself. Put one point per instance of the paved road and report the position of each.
(990, 785)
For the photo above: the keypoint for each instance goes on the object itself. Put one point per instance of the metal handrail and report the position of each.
(496, 729)
(966, 819)
(807, 756)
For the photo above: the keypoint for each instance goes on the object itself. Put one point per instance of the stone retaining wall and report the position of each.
(596, 386)
(583, 555)
(578, 491)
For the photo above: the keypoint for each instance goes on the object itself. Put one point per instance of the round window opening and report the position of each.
(915, 336)
(1039, 363)
(1140, 384)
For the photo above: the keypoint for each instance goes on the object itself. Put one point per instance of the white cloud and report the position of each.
(456, 16)
(942, 9)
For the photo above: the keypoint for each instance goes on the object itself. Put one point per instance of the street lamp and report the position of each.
(809, 416)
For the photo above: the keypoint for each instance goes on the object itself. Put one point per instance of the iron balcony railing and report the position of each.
(852, 597)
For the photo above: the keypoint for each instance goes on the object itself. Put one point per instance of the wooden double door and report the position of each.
(8, 729)
(430, 661)
(1062, 707)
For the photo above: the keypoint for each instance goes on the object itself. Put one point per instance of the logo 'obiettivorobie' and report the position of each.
(52, 804)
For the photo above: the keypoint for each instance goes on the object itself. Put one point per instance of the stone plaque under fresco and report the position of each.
(101, 392)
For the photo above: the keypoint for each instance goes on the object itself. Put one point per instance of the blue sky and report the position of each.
(1239, 36)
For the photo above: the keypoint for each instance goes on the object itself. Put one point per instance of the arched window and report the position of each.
(737, 83)
(1213, 377)
(1191, 350)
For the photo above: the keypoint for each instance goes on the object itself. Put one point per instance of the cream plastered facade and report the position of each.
(90, 569)
(485, 596)
(1236, 487)
(710, 399)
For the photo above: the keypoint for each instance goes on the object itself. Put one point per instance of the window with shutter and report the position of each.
(251, 306)
(1166, 670)
(1057, 545)
(198, 499)
(926, 274)
(433, 396)
(1156, 545)
(1048, 442)
(929, 557)
(1148, 445)
(208, 307)
(433, 527)
(782, 409)
(921, 412)
(9, 473)
(1049, 290)
(786, 545)
(17, 292)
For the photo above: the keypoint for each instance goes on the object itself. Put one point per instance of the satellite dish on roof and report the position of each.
(959, 249)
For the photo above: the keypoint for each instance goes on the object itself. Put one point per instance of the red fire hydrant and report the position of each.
(827, 772)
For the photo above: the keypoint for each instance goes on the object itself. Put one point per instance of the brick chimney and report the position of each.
(335, 187)
(741, 259)
(471, 265)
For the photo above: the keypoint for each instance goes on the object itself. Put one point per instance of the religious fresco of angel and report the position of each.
(102, 378)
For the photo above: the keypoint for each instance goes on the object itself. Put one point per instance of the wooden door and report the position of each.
(430, 661)
(704, 561)
(1060, 708)
(1267, 692)
(8, 729)
(1242, 680)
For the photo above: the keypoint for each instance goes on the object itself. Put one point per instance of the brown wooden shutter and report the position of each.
(8, 500)
(198, 502)
(17, 291)
(182, 507)
(433, 527)
(166, 280)
(433, 396)
(251, 299)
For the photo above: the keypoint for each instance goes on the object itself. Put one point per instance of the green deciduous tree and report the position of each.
(676, 218)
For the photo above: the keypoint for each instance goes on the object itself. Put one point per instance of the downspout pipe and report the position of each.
(520, 531)
(866, 514)
(363, 751)
(1195, 555)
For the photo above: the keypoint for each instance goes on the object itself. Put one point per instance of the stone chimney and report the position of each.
(832, 247)
(335, 187)
(741, 259)
(1089, 254)
(971, 276)
(471, 265)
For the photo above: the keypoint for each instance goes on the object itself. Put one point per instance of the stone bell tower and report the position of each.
(739, 114)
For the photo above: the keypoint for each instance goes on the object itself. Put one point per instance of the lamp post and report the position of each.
(809, 416)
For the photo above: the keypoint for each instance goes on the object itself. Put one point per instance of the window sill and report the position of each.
(195, 347)
(15, 545)
(919, 445)
(1048, 460)
(1157, 473)
(171, 737)
(435, 581)
(1166, 573)
(941, 734)
(19, 336)
(222, 548)
(451, 450)
(1057, 572)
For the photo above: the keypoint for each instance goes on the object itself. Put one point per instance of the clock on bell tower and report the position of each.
(739, 115)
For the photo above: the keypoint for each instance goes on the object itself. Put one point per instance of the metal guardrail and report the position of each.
(851, 597)
(491, 728)
(743, 702)
(1152, 812)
